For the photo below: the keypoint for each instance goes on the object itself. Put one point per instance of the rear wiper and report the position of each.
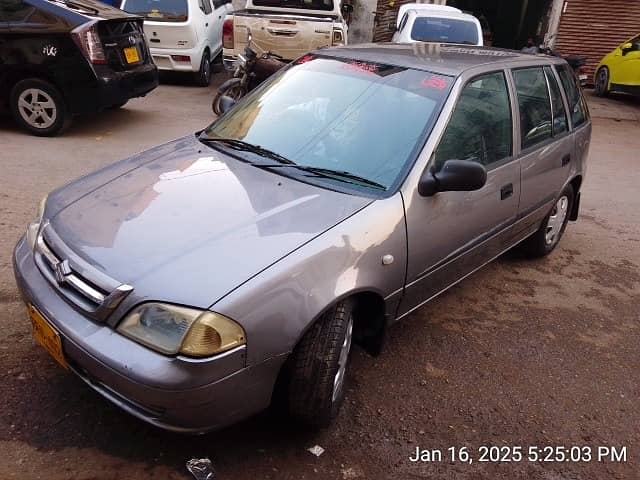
(339, 175)
(248, 147)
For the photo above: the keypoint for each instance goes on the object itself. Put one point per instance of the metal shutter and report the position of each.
(596, 27)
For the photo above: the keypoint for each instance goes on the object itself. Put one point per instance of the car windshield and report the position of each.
(159, 10)
(365, 119)
(303, 4)
(447, 30)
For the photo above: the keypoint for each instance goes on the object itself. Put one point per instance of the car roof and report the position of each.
(442, 58)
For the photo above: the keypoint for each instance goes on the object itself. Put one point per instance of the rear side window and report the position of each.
(560, 122)
(577, 106)
(159, 10)
(445, 30)
(534, 106)
(480, 128)
(205, 6)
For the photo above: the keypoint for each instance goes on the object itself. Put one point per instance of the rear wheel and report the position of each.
(39, 107)
(203, 76)
(545, 240)
(231, 88)
(319, 367)
(602, 82)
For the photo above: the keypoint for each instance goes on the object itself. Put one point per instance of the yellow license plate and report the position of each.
(46, 336)
(131, 54)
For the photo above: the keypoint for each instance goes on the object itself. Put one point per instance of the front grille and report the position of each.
(94, 297)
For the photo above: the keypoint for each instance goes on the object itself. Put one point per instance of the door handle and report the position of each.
(566, 159)
(506, 191)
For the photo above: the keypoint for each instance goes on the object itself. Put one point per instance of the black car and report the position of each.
(60, 58)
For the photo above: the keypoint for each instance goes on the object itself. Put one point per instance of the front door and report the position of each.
(628, 71)
(451, 234)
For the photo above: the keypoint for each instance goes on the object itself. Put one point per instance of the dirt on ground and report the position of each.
(522, 353)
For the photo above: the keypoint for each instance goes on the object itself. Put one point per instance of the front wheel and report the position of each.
(545, 240)
(602, 82)
(231, 88)
(39, 107)
(319, 367)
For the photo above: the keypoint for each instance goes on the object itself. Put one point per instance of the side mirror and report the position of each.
(226, 103)
(454, 176)
(626, 47)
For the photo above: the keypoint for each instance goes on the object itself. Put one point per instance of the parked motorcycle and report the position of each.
(576, 62)
(251, 70)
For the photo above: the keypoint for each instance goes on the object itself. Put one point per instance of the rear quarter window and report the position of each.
(577, 105)
(159, 10)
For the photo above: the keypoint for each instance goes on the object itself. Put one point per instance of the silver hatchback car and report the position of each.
(194, 282)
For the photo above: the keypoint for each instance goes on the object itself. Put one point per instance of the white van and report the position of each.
(183, 35)
(423, 22)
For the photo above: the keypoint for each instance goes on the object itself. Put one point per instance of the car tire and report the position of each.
(318, 367)
(203, 76)
(602, 82)
(231, 88)
(545, 240)
(39, 107)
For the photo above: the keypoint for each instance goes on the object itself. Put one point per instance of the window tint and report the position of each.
(534, 106)
(448, 30)
(159, 10)
(577, 107)
(560, 122)
(480, 127)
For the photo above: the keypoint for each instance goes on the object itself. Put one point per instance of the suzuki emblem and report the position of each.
(132, 40)
(62, 269)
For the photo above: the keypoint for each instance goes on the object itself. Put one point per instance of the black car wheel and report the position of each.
(319, 367)
(545, 240)
(203, 76)
(602, 82)
(39, 107)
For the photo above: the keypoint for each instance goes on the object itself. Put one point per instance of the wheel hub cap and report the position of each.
(556, 220)
(37, 108)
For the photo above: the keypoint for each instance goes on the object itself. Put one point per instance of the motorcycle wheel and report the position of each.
(231, 88)
(602, 82)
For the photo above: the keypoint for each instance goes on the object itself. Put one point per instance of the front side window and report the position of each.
(364, 118)
(577, 106)
(534, 105)
(303, 4)
(445, 30)
(560, 122)
(480, 127)
(159, 10)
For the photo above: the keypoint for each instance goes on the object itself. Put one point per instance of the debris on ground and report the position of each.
(201, 468)
(316, 450)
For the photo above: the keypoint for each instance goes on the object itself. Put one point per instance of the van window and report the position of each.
(560, 122)
(534, 106)
(159, 10)
(205, 6)
(480, 128)
(447, 30)
(577, 106)
(303, 4)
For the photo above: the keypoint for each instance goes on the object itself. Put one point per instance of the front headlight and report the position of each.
(172, 329)
(34, 227)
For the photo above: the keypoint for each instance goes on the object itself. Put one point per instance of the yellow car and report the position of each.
(620, 70)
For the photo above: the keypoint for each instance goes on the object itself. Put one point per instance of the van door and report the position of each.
(451, 234)
(547, 148)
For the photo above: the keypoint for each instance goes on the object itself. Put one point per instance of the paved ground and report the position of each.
(521, 353)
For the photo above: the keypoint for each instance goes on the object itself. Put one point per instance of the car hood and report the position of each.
(193, 224)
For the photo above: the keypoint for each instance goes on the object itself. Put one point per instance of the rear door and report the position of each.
(546, 146)
(453, 233)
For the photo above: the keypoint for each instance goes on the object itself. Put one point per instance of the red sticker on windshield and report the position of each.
(360, 67)
(439, 83)
(305, 59)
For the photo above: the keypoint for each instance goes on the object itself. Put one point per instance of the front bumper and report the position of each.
(111, 88)
(163, 391)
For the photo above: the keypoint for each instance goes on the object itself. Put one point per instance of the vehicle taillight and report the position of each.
(227, 33)
(87, 38)
(338, 38)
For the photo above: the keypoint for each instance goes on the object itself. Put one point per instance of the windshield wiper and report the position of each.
(339, 175)
(243, 146)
